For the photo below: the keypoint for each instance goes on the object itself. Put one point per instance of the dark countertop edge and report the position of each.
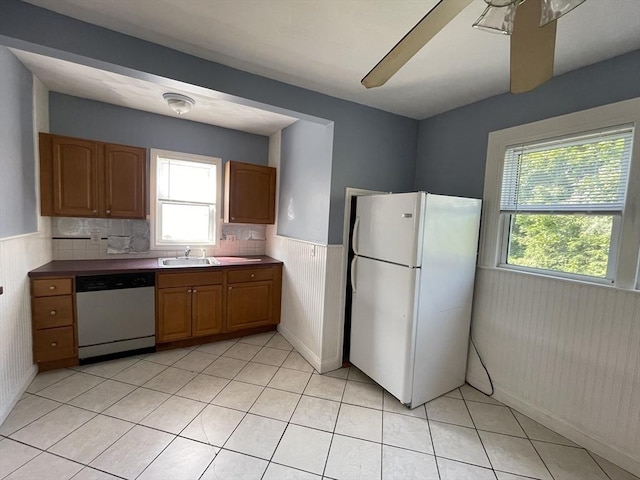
(107, 266)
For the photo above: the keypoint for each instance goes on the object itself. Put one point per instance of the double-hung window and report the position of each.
(185, 197)
(562, 196)
(563, 201)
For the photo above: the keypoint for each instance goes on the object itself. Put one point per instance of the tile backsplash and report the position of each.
(72, 239)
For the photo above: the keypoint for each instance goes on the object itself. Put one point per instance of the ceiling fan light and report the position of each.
(501, 3)
(554, 9)
(497, 19)
(180, 104)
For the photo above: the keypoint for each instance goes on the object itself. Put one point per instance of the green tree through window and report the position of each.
(564, 200)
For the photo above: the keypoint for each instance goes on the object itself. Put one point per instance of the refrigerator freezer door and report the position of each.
(389, 227)
(382, 324)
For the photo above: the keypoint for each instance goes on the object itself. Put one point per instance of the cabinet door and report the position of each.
(250, 193)
(174, 314)
(124, 181)
(75, 165)
(206, 310)
(249, 305)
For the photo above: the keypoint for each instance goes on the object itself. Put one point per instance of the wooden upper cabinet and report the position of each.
(83, 178)
(124, 181)
(249, 193)
(75, 165)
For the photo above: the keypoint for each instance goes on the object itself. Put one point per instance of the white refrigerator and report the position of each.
(412, 284)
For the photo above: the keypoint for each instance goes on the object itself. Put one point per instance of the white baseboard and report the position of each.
(331, 365)
(302, 349)
(626, 460)
(5, 409)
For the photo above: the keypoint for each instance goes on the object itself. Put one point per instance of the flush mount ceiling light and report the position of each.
(180, 104)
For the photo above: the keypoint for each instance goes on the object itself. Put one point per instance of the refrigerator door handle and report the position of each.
(354, 235)
(353, 274)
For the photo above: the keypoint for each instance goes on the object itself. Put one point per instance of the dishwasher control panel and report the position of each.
(117, 281)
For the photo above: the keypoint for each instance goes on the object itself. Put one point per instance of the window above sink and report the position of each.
(185, 197)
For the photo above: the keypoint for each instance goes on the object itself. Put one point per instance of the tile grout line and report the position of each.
(288, 422)
(598, 463)
(534, 447)
(433, 445)
(478, 434)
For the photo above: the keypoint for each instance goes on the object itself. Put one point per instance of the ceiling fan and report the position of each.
(530, 23)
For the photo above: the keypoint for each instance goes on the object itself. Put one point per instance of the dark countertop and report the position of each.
(96, 267)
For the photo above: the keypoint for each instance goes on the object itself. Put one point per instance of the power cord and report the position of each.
(485, 369)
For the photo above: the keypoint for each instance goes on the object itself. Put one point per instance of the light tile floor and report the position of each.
(253, 408)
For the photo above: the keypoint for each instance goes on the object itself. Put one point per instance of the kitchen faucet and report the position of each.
(187, 251)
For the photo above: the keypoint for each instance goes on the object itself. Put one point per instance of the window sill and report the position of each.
(574, 281)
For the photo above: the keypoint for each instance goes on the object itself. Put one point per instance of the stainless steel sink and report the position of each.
(181, 262)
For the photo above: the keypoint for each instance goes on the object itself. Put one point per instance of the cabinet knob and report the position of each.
(230, 288)
(52, 287)
(52, 312)
(233, 218)
(54, 344)
(108, 212)
(195, 291)
(94, 212)
(189, 291)
(253, 275)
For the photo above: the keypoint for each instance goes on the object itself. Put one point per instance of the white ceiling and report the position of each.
(109, 87)
(329, 45)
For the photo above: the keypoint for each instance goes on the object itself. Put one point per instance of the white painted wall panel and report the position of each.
(17, 256)
(565, 352)
(333, 329)
(303, 293)
(312, 308)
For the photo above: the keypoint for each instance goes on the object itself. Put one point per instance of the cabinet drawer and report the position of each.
(250, 275)
(53, 344)
(49, 312)
(166, 280)
(51, 286)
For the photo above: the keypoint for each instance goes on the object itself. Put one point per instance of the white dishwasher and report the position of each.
(116, 314)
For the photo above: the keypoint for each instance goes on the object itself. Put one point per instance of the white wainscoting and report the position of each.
(18, 255)
(564, 353)
(311, 295)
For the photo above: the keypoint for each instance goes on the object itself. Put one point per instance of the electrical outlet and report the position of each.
(95, 238)
(313, 250)
(231, 238)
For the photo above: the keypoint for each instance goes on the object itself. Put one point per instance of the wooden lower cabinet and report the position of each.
(199, 304)
(53, 344)
(191, 308)
(206, 310)
(174, 313)
(53, 323)
(249, 305)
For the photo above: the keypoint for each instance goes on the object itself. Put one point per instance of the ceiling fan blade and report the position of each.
(412, 42)
(532, 48)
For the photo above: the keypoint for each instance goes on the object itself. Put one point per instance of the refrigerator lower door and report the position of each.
(382, 324)
(389, 227)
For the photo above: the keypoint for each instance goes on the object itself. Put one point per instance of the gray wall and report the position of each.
(372, 149)
(18, 213)
(305, 180)
(78, 117)
(452, 147)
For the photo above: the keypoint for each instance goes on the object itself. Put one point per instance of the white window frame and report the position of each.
(625, 257)
(154, 222)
